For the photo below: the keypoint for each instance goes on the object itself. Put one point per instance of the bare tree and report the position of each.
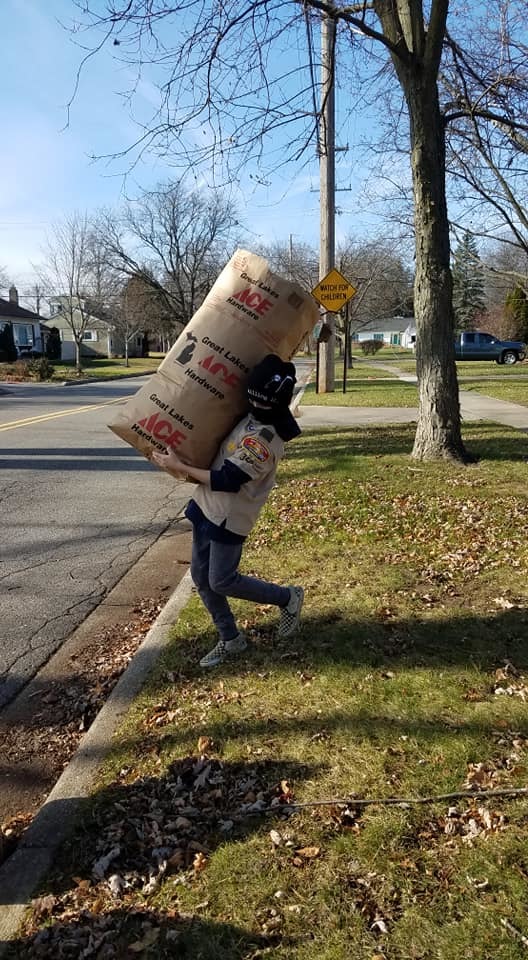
(174, 240)
(383, 284)
(35, 295)
(298, 261)
(229, 75)
(485, 83)
(65, 274)
(378, 268)
(505, 267)
(138, 311)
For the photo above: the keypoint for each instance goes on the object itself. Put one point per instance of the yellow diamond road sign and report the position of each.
(333, 291)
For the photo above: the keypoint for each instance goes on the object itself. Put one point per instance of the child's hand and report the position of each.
(168, 461)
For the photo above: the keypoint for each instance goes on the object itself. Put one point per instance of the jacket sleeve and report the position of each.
(229, 478)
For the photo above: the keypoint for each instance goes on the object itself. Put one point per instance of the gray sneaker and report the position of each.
(291, 615)
(223, 650)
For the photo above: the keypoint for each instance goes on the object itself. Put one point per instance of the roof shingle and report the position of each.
(14, 312)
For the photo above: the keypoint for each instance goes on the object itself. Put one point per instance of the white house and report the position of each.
(394, 331)
(409, 335)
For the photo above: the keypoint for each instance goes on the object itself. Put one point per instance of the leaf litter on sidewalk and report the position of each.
(406, 679)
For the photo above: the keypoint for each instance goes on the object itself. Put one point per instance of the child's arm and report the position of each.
(228, 479)
(171, 461)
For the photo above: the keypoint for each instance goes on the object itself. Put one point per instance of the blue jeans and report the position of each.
(214, 569)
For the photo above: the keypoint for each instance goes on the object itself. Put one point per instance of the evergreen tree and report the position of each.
(8, 350)
(52, 344)
(468, 283)
(516, 309)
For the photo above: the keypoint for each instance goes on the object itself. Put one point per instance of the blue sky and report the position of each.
(46, 166)
(46, 170)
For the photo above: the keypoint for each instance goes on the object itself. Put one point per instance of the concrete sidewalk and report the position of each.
(474, 406)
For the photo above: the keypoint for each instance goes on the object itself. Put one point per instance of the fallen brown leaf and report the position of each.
(205, 744)
(308, 853)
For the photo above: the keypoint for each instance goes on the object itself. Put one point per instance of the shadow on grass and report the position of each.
(127, 933)
(141, 833)
(486, 441)
(198, 805)
(323, 644)
(484, 643)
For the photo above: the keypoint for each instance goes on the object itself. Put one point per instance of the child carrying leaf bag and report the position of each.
(228, 500)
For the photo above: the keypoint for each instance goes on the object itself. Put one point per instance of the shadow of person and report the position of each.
(136, 842)
(119, 934)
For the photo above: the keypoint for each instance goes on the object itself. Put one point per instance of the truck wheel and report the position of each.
(499, 360)
(509, 357)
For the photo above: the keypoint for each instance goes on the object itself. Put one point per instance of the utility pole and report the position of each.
(326, 145)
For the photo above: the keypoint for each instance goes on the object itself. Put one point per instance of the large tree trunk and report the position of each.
(416, 52)
(438, 432)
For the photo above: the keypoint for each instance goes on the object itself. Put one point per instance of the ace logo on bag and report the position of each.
(198, 392)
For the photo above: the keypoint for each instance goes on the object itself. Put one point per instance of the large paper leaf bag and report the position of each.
(198, 392)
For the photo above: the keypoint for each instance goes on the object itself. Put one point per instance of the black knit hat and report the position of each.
(271, 383)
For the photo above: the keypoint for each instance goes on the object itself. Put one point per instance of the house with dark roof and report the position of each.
(27, 332)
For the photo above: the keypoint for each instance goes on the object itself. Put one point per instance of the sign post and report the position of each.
(347, 345)
(333, 293)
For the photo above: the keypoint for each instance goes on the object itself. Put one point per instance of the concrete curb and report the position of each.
(23, 871)
(296, 402)
(118, 376)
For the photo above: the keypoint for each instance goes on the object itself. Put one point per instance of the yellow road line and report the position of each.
(55, 416)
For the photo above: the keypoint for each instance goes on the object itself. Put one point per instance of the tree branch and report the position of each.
(394, 801)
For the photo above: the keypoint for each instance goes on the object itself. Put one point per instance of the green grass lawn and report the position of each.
(360, 393)
(408, 679)
(388, 353)
(515, 391)
(475, 368)
(108, 368)
(373, 390)
(22, 369)
(361, 371)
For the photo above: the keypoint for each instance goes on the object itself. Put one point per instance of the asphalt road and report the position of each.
(78, 507)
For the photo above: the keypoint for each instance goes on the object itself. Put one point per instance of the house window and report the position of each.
(90, 335)
(23, 333)
(378, 336)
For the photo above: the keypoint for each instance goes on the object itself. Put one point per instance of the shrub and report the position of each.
(369, 347)
(41, 369)
(15, 371)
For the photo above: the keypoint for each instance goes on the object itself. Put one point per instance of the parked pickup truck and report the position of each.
(484, 346)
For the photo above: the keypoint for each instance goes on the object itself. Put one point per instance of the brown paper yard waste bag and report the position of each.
(198, 392)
